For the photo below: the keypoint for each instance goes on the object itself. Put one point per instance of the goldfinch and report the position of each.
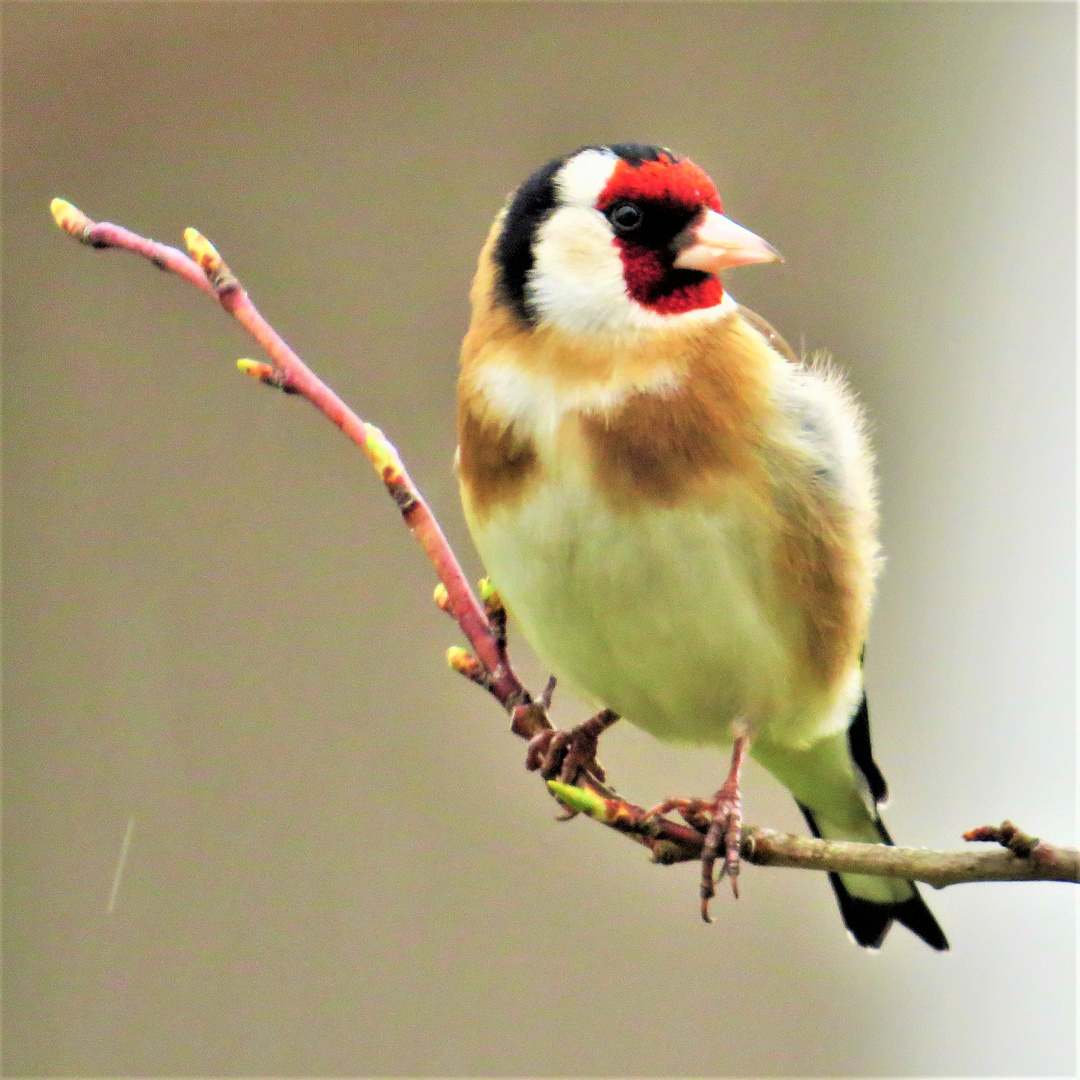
(678, 513)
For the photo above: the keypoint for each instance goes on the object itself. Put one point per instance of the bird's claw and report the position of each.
(569, 755)
(720, 819)
(695, 812)
(723, 836)
(564, 755)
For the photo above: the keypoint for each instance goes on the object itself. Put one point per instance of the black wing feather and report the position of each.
(862, 754)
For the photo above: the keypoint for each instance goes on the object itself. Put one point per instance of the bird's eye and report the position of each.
(626, 217)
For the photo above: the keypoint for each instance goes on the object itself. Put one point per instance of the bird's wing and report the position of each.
(862, 755)
(768, 332)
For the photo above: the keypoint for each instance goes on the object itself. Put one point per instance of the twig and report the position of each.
(1026, 859)
(206, 270)
(1047, 862)
(488, 665)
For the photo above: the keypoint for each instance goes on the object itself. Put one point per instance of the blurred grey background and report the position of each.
(215, 627)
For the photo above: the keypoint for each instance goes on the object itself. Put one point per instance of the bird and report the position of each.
(678, 513)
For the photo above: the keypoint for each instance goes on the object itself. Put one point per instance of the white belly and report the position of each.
(668, 616)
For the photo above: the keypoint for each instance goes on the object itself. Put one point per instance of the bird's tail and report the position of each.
(838, 787)
(869, 920)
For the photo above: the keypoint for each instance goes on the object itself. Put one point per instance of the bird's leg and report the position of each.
(566, 755)
(725, 830)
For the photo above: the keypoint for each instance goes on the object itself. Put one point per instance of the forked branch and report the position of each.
(484, 623)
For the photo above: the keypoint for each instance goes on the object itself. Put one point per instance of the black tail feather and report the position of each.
(919, 919)
(869, 921)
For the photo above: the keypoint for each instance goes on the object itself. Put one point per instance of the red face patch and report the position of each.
(662, 186)
(663, 290)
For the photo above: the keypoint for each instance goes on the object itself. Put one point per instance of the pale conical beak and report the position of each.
(717, 243)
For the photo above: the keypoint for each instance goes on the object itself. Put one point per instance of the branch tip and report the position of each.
(496, 613)
(210, 261)
(70, 218)
(202, 251)
(1020, 843)
(459, 659)
(257, 369)
(265, 373)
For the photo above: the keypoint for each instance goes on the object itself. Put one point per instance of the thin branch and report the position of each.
(1026, 858)
(1045, 862)
(206, 270)
(488, 665)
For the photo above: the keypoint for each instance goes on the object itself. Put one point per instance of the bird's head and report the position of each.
(617, 238)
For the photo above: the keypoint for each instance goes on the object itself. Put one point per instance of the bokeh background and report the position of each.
(218, 636)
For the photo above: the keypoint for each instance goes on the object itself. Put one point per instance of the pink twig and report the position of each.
(206, 270)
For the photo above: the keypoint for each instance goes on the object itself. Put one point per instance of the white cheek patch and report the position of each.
(582, 178)
(577, 275)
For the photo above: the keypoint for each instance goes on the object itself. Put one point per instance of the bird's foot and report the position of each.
(569, 755)
(725, 830)
(720, 819)
(724, 836)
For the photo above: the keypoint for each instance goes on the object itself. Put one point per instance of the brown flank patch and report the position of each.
(494, 464)
(814, 572)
